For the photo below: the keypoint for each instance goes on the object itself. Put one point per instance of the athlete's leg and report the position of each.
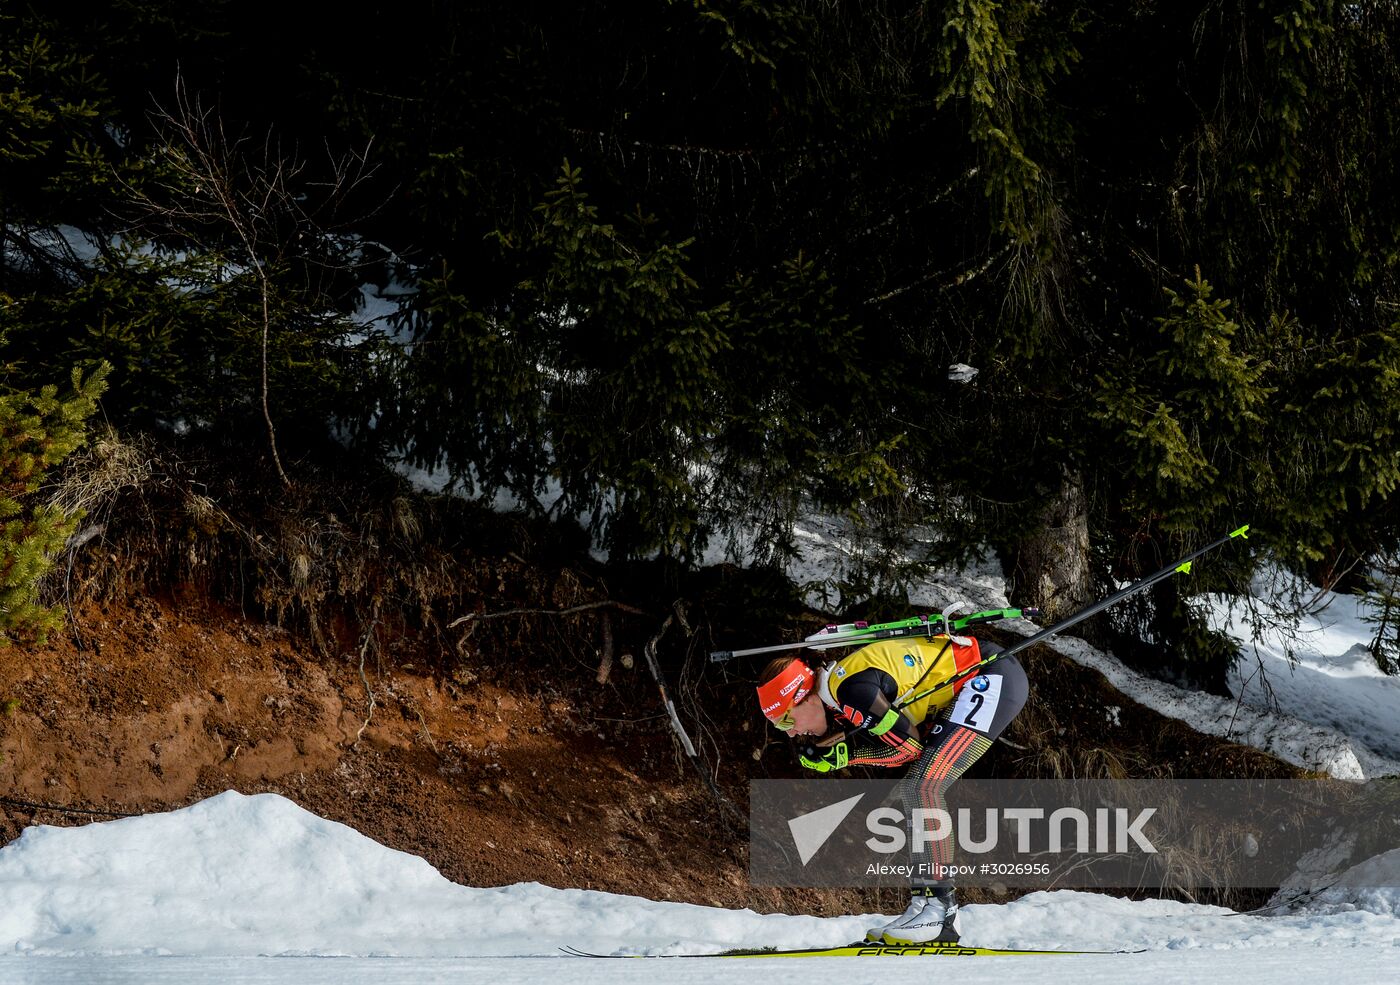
(960, 736)
(984, 708)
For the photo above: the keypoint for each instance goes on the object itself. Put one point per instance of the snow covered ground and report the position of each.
(1371, 966)
(202, 893)
(1333, 681)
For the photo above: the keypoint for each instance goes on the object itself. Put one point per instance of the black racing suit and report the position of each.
(941, 749)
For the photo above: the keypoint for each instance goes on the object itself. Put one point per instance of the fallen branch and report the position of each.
(678, 615)
(650, 652)
(30, 805)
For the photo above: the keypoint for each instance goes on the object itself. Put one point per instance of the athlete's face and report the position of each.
(809, 716)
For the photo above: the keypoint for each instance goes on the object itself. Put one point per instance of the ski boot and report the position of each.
(919, 896)
(934, 922)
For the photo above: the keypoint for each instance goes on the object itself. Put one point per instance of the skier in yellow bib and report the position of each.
(883, 697)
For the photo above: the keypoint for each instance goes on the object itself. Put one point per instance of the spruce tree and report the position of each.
(38, 429)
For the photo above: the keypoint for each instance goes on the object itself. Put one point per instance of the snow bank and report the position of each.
(236, 875)
(1298, 742)
(1381, 871)
(244, 876)
(1332, 681)
(828, 555)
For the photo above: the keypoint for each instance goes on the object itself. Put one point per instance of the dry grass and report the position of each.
(98, 475)
(346, 547)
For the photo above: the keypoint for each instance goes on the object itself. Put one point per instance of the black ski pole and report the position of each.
(1183, 566)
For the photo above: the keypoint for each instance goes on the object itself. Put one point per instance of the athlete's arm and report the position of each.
(879, 735)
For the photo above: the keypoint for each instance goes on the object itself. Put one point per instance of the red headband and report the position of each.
(775, 697)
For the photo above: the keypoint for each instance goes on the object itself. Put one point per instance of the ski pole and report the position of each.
(1183, 566)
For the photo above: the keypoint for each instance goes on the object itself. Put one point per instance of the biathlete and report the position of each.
(886, 699)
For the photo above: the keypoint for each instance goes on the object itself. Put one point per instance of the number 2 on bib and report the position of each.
(977, 703)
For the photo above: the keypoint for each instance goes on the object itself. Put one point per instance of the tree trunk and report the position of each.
(1050, 568)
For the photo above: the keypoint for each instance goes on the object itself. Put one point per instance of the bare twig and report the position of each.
(605, 604)
(650, 652)
(679, 616)
(369, 691)
(30, 805)
(947, 279)
(413, 707)
(218, 188)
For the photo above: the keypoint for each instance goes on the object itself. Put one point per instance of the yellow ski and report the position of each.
(860, 949)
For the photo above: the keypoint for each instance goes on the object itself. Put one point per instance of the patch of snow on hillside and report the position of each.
(1332, 681)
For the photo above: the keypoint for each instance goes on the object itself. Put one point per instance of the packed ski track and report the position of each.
(1235, 967)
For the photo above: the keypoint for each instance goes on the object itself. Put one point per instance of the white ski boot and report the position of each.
(919, 896)
(935, 922)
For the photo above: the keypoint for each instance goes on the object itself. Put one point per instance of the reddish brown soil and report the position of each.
(161, 706)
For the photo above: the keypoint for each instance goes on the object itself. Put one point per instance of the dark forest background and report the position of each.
(705, 264)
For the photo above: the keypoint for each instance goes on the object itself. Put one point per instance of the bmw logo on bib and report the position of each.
(909, 659)
(979, 683)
